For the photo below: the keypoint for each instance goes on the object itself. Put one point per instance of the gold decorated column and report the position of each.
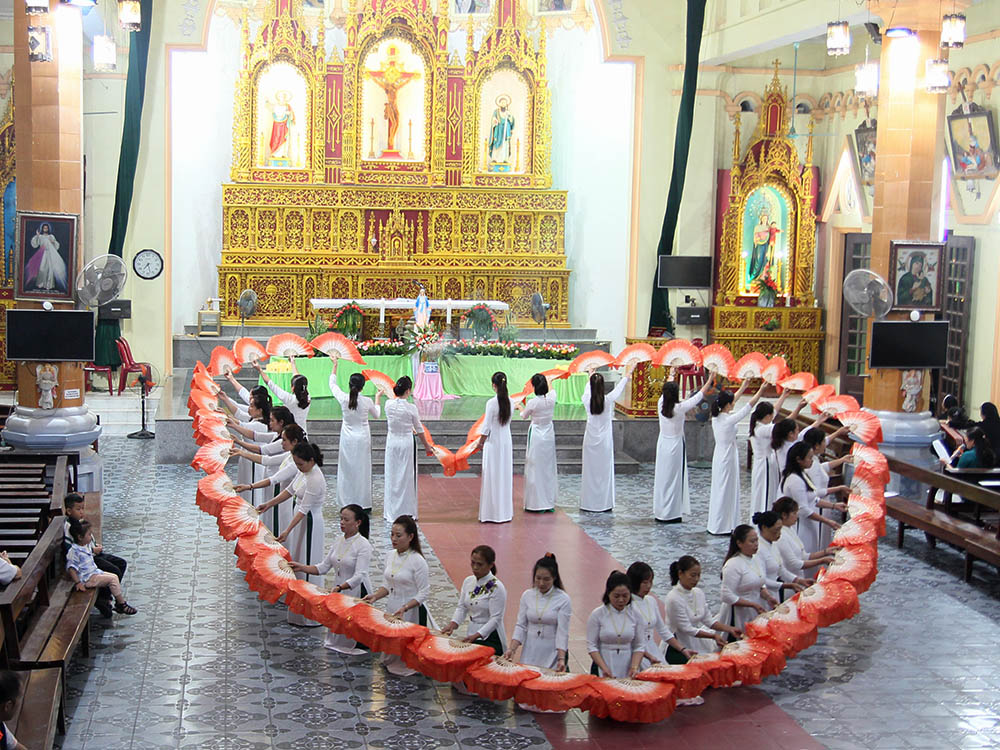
(910, 149)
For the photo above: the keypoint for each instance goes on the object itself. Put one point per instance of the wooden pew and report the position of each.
(44, 617)
(38, 712)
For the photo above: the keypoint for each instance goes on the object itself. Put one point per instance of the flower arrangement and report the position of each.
(766, 288)
(381, 347)
(423, 339)
(485, 590)
(481, 320)
(347, 320)
(514, 349)
(772, 324)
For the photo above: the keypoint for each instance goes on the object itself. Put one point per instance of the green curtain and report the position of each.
(659, 312)
(135, 93)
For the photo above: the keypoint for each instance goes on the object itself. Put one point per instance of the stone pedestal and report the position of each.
(908, 437)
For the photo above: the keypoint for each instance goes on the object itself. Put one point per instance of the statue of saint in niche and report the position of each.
(501, 133)
(279, 150)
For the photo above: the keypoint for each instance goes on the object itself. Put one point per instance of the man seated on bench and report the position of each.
(85, 573)
(10, 690)
(74, 506)
(8, 572)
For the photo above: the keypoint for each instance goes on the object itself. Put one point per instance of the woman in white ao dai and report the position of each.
(687, 610)
(482, 600)
(542, 629)
(744, 593)
(354, 457)
(541, 481)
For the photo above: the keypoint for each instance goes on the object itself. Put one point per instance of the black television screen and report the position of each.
(50, 335)
(685, 272)
(905, 345)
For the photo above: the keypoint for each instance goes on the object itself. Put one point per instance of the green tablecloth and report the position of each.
(470, 375)
(463, 375)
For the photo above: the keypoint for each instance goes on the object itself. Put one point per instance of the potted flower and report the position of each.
(766, 288)
(481, 320)
(347, 320)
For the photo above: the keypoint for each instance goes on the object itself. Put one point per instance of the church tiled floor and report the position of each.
(206, 665)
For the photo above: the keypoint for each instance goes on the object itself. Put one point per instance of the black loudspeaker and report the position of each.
(692, 316)
(120, 309)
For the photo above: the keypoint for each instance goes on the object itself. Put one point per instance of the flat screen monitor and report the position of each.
(685, 272)
(50, 335)
(905, 345)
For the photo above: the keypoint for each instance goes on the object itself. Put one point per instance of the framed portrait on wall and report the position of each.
(45, 268)
(973, 139)
(864, 141)
(556, 6)
(471, 7)
(916, 275)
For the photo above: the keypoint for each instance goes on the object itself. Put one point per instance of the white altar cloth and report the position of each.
(406, 303)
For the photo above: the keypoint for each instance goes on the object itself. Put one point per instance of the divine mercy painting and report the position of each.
(765, 245)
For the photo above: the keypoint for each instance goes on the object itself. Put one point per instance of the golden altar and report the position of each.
(764, 299)
(388, 162)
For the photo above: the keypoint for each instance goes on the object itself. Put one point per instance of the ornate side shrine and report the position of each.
(355, 175)
(8, 210)
(764, 298)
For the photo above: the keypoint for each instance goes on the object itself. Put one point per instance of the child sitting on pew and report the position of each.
(10, 690)
(84, 571)
(74, 509)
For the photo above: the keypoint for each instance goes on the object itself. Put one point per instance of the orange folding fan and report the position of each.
(863, 424)
(270, 576)
(381, 631)
(750, 365)
(776, 370)
(721, 672)
(754, 659)
(443, 658)
(871, 510)
(718, 359)
(222, 361)
(828, 601)
(677, 353)
(288, 345)
(636, 701)
(800, 381)
(213, 490)
(212, 457)
(633, 354)
(309, 600)
(871, 461)
(337, 345)
(498, 678)
(248, 350)
(587, 360)
(819, 393)
(857, 565)
(689, 680)
(557, 691)
(248, 546)
(833, 405)
(381, 381)
(784, 626)
(238, 519)
(856, 531)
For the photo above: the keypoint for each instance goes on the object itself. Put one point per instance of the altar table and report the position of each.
(406, 303)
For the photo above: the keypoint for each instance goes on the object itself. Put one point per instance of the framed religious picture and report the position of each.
(471, 7)
(556, 6)
(973, 138)
(864, 141)
(45, 267)
(915, 275)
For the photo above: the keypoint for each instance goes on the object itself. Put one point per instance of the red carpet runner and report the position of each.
(738, 718)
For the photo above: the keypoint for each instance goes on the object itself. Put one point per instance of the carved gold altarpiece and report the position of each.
(326, 203)
(769, 233)
(8, 208)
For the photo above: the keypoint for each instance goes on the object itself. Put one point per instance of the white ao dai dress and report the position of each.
(742, 578)
(350, 560)
(402, 421)
(306, 543)
(763, 487)
(597, 484)
(776, 459)
(496, 493)
(775, 573)
(800, 489)
(541, 481)
(819, 475)
(688, 615)
(671, 498)
(483, 602)
(724, 503)
(543, 626)
(300, 413)
(280, 470)
(354, 456)
(247, 471)
(647, 612)
(616, 635)
(407, 578)
(793, 552)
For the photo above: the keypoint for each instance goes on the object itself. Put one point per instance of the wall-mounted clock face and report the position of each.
(148, 264)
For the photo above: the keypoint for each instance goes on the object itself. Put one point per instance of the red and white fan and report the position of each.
(249, 545)
(828, 601)
(288, 345)
(591, 360)
(339, 608)
(556, 373)
(754, 659)
(238, 519)
(213, 490)
(339, 346)
(222, 361)
(443, 658)
(248, 350)
(870, 510)
(785, 626)
(270, 576)
(835, 404)
(307, 599)
(862, 424)
(557, 691)
(211, 431)
(870, 461)
(677, 353)
(857, 565)
(444, 456)
(381, 631)
(750, 365)
(498, 678)
(381, 381)
(633, 354)
(855, 531)
(199, 400)
(867, 486)
(202, 381)
(212, 457)
(636, 701)
(689, 680)
(800, 382)
(718, 359)
(819, 393)
(721, 672)
(776, 370)
(463, 454)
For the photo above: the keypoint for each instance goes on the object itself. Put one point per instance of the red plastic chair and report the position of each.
(692, 378)
(91, 369)
(130, 365)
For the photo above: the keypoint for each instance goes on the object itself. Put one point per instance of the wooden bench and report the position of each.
(38, 712)
(44, 617)
(935, 520)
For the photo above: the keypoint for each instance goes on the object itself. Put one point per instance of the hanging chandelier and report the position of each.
(866, 79)
(937, 79)
(953, 31)
(129, 17)
(105, 54)
(838, 38)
